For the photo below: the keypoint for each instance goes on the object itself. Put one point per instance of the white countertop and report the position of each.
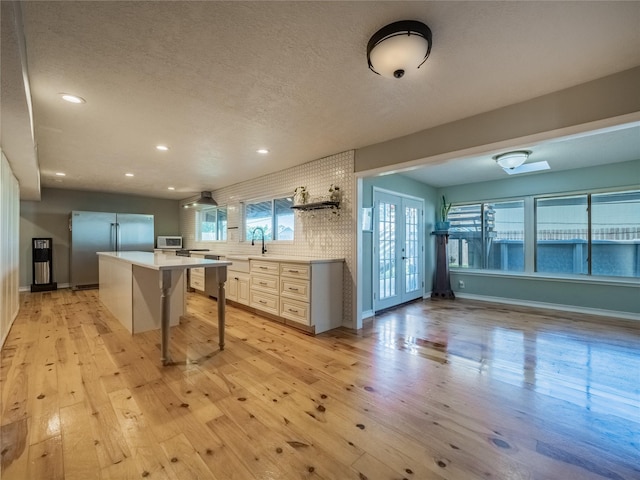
(163, 262)
(279, 258)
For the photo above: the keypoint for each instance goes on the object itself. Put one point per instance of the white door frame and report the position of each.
(398, 290)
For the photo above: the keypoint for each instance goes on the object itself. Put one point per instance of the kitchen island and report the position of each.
(146, 291)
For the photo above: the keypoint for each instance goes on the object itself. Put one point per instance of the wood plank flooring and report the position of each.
(433, 390)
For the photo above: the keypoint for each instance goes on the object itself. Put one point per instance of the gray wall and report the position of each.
(406, 186)
(50, 218)
(606, 98)
(621, 296)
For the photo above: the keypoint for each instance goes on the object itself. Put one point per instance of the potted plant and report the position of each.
(335, 194)
(300, 196)
(443, 224)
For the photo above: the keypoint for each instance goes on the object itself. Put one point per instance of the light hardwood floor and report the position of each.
(433, 390)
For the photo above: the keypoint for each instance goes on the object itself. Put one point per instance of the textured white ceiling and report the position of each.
(217, 80)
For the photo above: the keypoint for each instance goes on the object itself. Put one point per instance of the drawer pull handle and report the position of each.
(236, 278)
(294, 271)
(293, 310)
(262, 302)
(293, 289)
(264, 268)
(263, 283)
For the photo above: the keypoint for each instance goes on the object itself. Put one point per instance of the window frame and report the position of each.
(247, 236)
(530, 240)
(201, 212)
(483, 216)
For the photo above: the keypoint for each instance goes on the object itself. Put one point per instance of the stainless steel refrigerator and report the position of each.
(93, 232)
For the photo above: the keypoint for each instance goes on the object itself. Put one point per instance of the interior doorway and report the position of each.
(398, 249)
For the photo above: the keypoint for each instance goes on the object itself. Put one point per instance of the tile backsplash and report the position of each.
(318, 233)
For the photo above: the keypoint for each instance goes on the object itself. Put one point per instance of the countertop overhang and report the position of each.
(163, 262)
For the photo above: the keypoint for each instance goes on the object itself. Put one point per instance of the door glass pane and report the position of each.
(411, 250)
(562, 235)
(505, 236)
(615, 234)
(387, 249)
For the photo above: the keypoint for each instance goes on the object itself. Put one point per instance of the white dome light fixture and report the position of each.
(399, 48)
(512, 160)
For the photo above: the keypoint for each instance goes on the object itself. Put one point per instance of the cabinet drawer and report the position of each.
(238, 266)
(260, 266)
(296, 311)
(295, 270)
(196, 273)
(198, 284)
(264, 301)
(294, 288)
(265, 283)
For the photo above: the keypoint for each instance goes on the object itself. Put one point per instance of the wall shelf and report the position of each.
(316, 205)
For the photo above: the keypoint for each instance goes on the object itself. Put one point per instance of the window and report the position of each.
(615, 234)
(562, 235)
(212, 224)
(487, 236)
(580, 234)
(274, 217)
(597, 234)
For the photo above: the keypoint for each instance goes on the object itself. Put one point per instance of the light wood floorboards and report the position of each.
(433, 390)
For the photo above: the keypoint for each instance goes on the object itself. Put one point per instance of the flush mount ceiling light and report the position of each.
(262, 151)
(512, 159)
(162, 148)
(399, 48)
(72, 98)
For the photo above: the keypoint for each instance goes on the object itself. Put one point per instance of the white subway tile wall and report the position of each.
(318, 233)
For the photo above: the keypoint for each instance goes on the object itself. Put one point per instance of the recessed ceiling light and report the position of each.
(263, 151)
(72, 98)
(162, 148)
(128, 174)
(60, 174)
(171, 188)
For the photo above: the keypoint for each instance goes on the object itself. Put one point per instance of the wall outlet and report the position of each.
(460, 284)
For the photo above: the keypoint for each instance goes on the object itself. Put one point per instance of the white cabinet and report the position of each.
(196, 279)
(196, 275)
(307, 295)
(264, 281)
(237, 288)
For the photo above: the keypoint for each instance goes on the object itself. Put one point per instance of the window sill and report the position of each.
(583, 279)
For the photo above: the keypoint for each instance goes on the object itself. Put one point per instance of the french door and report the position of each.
(398, 251)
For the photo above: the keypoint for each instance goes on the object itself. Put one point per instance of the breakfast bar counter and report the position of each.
(146, 291)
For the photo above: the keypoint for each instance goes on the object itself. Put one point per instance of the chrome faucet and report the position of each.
(253, 236)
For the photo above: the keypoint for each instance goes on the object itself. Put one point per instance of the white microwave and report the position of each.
(169, 241)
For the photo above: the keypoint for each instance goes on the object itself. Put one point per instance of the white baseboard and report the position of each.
(6, 333)
(552, 306)
(367, 314)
